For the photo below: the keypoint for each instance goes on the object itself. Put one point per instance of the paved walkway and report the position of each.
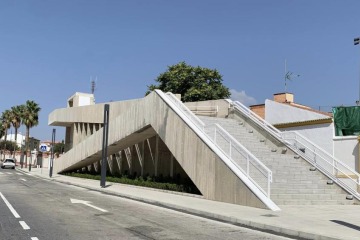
(303, 222)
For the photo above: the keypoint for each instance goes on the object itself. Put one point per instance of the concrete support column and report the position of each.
(118, 158)
(142, 157)
(156, 155)
(75, 134)
(83, 131)
(171, 165)
(128, 155)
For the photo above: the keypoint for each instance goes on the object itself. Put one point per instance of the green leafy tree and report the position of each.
(30, 118)
(16, 113)
(193, 83)
(2, 131)
(8, 145)
(6, 124)
(59, 147)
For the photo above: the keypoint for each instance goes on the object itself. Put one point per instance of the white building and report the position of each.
(20, 139)
(317, 126)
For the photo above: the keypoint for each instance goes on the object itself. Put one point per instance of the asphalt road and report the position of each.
(36, 209)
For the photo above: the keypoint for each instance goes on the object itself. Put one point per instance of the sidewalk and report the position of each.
(303, 222)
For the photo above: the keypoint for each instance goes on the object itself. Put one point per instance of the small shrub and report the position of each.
(170, 184)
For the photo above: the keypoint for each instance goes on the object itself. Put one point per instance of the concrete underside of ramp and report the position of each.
(133, 122)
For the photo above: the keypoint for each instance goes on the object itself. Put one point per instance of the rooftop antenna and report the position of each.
(288, 76)
(93, 84)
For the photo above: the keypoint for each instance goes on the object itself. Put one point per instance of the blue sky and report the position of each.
(50, 49)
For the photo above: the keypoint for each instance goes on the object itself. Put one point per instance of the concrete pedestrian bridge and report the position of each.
(221, 146)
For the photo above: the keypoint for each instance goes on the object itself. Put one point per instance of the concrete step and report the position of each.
(313, 202)
(321, 197)
(280, 178)
(289, 180)
(303, 185)
(306, 191)
(293, 182)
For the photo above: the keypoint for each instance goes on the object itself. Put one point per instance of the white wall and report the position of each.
(320, 134)
(84, 100)
(282, 113)
(19, 140)
(346, 149)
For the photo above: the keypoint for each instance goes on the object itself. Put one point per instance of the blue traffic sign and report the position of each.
(43, 148)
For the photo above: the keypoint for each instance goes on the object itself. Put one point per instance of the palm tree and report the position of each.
(6, 123)
(30, 118)
(15, 116)
(2, 130)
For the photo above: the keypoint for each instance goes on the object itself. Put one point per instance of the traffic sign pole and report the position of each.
(52, 152)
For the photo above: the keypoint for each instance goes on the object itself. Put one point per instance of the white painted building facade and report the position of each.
(316, 126)
(20, 139)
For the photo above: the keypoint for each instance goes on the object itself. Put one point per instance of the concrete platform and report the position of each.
(299, 222)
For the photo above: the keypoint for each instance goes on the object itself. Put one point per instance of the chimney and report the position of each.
(284, 97)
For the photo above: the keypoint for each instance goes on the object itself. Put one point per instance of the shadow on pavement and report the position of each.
(346, 224)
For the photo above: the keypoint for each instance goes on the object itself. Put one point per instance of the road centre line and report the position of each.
(13, 211)
(34, 238)
(22, 179)
(9, 173)
(24, 225)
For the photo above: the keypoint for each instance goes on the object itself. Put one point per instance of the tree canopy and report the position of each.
(193, 83)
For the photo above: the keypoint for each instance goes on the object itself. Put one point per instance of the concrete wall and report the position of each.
(139, 120)
(214, 108)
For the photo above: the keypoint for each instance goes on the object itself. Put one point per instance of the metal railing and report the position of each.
(257, 119)
(193, 118)
(253, 168)
(245, 161)
(332, 167)
(336, 170)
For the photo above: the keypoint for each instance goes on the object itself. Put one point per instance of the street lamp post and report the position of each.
(356, 42)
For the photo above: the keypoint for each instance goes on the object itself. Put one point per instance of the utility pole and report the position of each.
(105, 145)
(356, 42)
(52, 152)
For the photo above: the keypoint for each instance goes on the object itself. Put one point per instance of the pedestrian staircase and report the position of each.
(294, 181)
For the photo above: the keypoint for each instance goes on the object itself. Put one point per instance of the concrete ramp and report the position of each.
(134, 121)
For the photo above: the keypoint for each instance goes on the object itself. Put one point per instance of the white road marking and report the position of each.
(23, 179)
(19, 174)
(24, 225)
(9, 173)
(1, 173)
(87, 204)
(16, 215)
(34, 238)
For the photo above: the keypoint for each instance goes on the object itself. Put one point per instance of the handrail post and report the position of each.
(268, 185)
(247, 165)
(230, 149)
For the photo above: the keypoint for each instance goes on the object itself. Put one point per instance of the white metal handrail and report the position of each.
(186, 111)
(252, 167)
(331, 166)
(312, 153)
(257, 119)
(258, 166)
